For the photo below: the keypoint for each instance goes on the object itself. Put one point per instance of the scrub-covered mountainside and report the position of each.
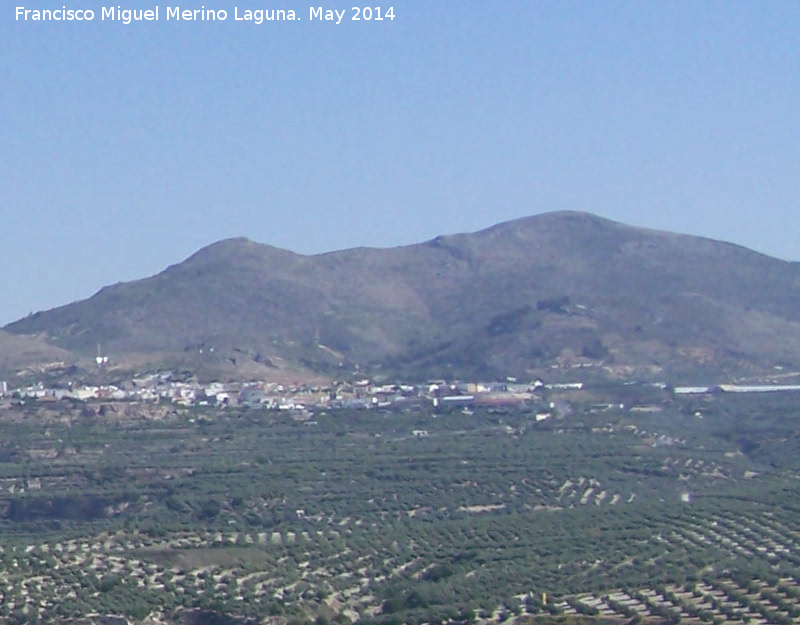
(561, 289)
(19, 353)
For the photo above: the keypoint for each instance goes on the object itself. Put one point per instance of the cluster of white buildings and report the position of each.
(736, 388)
(365, 394)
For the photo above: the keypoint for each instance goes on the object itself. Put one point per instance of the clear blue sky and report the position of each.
(124, 149)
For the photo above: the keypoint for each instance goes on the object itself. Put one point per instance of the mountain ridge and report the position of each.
(552, 289)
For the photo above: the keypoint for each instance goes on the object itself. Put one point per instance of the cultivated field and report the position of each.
(618, 515)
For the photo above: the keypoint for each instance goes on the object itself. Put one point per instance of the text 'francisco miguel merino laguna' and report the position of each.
(257, 16)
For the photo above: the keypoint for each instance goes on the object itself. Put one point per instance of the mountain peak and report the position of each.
(237, 250)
